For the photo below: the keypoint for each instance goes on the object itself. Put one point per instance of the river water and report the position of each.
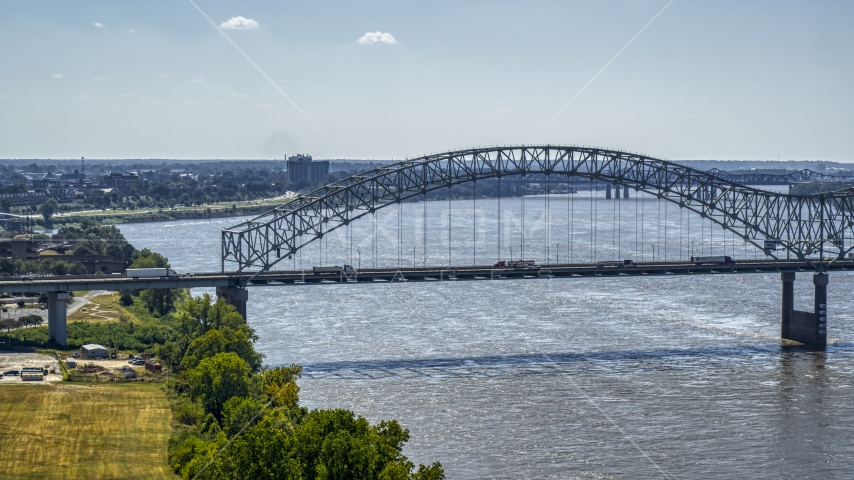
(630, 377)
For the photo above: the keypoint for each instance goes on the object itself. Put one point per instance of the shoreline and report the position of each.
(162, 215)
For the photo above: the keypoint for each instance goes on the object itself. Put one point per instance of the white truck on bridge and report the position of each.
(150, 272)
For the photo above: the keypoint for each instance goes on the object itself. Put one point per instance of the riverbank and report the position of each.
(108, 217)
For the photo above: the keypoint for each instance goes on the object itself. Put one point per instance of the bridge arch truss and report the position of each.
(810, 227)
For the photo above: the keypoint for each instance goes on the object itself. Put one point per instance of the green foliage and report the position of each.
(9, 323)
(126, 336)
(217, 379)
(188, 413)
(47, 266)
(125, 298)
(321, 444)
(239, 412)
(279, 386)
(159, 301)
(216, 341)
(91, 238)
(47, 209)
(31, 320)
(145, 258)
(200, 314)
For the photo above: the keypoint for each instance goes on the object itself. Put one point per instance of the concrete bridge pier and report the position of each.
(809, 328)
(788, 306)
(57, 327)
(236, 297)
(608, 191)
(625, 191)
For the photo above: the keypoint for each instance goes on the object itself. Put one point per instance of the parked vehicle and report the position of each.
(12, 373)
(500, 263)
(150, 272)
(715, 259)
(335, 269)
(616, 263)
(521, 263)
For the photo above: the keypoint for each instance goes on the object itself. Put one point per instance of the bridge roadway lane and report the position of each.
(386, 275)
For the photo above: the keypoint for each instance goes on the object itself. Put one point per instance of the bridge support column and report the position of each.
(236, 297)
(809, 328)
(820, 281)
(625, 191)
(57, 328)
(607, 191)
(788, 279)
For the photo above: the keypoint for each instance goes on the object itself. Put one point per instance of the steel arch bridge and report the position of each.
(806, 226)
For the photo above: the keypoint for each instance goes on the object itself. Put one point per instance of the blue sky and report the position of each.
(722, 79)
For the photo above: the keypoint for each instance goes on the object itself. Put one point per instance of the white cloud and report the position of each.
(82, 97)
(2, 97)
(131, 31)
(164, 76)
(263, 106)
(239, 23)
(156, 103)
(99, 25)
(198, 80)
(127, 94)
(58, 76)
(195, 104)
(238, 95)
(373, 38)
(100, 78)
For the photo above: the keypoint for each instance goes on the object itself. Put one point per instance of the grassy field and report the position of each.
(101, 309)
(103, 431)
(215, 207)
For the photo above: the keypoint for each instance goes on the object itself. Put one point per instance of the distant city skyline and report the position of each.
(673, 79)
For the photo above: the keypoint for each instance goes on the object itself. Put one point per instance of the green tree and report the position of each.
(220, 341)
(200, 314)
(47, 209)
(9, 324)
(125, 298)
(159, 301)
(217, 379)
(321, 444)
(31, 320)
(4, 206)
(145, 258)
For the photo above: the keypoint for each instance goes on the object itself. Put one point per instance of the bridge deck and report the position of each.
(386, 275)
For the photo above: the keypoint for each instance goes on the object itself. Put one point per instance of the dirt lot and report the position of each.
(16, 361)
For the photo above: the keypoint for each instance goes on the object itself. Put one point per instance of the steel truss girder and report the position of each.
(803, 225)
